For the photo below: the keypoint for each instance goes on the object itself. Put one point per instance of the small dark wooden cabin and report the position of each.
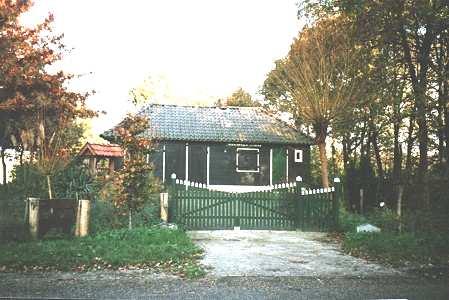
(225, 146)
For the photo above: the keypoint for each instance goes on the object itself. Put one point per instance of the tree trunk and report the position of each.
(380, 170)
(3, 166)
(324, 167)
(410, 142)
(440, 122)
(418, 74)
(21, 156)
(397, 152)
(334, 160)
(423, 140)
(397, 155)
(446, 114)
(50, 195)
(399, 206)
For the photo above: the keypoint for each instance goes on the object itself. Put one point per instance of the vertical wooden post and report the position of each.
(82, 218)
(173, 204)
(93, 165)
(164, 207)
(111, 164)
(336, 201)
(85, 217)
(33, 217)
(299, 203)
(78, 219)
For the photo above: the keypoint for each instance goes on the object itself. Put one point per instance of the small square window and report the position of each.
(298, 155)
(247, 160)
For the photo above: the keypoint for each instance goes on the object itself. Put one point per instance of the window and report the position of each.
(247, 160)
(298, 155)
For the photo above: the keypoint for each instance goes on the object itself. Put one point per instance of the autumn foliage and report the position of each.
(38, 112)
(134, 181)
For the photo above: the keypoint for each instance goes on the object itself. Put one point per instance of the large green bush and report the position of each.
(104, 216)
(348, 222)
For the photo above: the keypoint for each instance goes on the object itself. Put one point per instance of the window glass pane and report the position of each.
(247, 160)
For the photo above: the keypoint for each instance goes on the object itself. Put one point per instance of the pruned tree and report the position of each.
(318, 81)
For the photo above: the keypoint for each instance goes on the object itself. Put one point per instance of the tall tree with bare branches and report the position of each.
(317, 81)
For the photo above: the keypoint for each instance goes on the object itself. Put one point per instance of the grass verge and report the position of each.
(418, 252)
(147, 248)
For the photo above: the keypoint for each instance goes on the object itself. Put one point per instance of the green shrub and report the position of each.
(12, 210)
(386, 246)
(386, 219)
(397, 247)
(348, 222)
(104, 216)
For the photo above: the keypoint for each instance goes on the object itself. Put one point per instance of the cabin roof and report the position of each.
(217, 124)
(99, 150)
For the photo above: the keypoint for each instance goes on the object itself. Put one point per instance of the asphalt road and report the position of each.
(146, 285)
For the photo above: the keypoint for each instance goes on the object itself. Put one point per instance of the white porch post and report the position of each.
(208, 166)
(271, 166)
(163, 163)
(187, 165)
(286, 165)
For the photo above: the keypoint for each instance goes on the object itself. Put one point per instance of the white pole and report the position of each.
(208, 166)
(187, 165)
(163, 163)
(286, 165)
(271, 167)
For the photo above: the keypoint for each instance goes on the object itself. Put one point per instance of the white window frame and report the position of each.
(237, 160)
(300, 157)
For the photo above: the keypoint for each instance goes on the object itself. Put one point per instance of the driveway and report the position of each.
(279, 253)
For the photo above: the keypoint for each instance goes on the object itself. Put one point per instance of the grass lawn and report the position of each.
(157, 248)
(429, 251)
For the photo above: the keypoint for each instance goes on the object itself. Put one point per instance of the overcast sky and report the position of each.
(198, 50)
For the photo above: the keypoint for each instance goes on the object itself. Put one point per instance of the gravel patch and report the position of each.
(147, 285)
(279, 253)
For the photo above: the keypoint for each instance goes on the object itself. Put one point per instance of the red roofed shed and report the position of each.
(96, 153)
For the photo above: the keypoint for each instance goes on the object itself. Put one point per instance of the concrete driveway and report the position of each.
(279, 253)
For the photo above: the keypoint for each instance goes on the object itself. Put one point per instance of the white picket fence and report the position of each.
(246, 188)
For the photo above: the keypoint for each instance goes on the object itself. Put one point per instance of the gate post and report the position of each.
(336, 201)
(33, 217)
(299, 201)
(82, 218)
(172, 200)
(164, 207)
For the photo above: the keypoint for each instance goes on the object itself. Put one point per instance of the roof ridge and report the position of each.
(201, 106)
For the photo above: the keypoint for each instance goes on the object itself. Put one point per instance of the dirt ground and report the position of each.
(279, 253)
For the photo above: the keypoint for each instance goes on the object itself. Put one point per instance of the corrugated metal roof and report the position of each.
(216, 124)
(99, 150)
